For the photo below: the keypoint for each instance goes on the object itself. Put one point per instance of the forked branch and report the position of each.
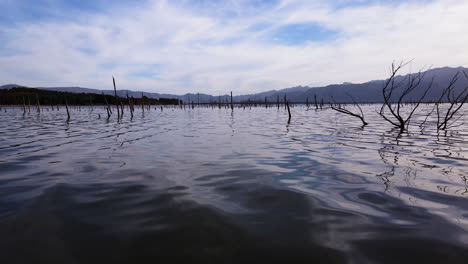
(343, 110)
(455, 103)
(393, 103)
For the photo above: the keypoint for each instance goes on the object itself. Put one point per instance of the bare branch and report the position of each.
(407, 85)
(348, 112)
(456, 103)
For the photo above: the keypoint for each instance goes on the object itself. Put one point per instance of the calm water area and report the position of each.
(211, 185)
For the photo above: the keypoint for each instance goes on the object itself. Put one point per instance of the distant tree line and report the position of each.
(23, 95)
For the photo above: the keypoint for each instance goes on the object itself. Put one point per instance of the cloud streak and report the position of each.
(215, 47)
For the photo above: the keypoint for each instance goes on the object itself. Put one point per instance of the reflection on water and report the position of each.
(211, 185)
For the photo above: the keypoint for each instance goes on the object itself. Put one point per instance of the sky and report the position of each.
(214, 46)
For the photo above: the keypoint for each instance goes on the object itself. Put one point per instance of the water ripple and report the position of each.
(212, 185)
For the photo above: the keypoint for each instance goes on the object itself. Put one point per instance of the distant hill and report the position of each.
(9, 86)
(202, 98)
(31, 96)
(364, 92)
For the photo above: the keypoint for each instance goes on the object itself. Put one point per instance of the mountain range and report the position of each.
(367, 92)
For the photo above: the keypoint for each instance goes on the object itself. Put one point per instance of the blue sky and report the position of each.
(215, 46)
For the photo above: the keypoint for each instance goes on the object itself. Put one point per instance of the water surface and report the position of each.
(211, 185)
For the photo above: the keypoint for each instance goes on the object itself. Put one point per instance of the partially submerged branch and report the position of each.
(343, 110)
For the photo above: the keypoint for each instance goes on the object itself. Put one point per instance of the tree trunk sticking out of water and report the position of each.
(68, 112)
(142, 103)
(38, 105)
(130, 106)
(232, 105)
(285, 101)
(109, 111)
(315, 102)
(404, 86)
(289, 112)
(456, 102)
(24, 106)
(277, 101)
(90, 103)
(116, 98)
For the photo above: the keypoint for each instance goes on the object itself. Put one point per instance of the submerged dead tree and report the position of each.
(343, 110)
(116, 98)
(24, 106)
(66, 107)
(396, 92)
(277, 101)
(455, 103)
(109, 111)
(37, 104)
(232, 105)
(289, 111)
(130, 106)
(315, 102)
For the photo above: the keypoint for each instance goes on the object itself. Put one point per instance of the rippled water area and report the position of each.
(210, 185)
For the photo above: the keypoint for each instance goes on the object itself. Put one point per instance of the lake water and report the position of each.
(214, 186)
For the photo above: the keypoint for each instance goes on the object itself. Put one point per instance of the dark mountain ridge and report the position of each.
(368, 92)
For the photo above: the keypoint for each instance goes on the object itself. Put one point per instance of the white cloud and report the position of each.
(216, 50)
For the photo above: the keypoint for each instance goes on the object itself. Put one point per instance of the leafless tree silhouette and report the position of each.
(391, 109)
(455, 103)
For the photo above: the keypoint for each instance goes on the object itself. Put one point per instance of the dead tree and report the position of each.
(232, 105)
(29, 105)
(289, 111)
(343, 110)
(285, 102)
(90, 103)
(37, 104)
(315, 102)
(391, 109)
(24, 106)
(66, 107)
(130, 106)
(455, 103)
(116, 98)
(142, 103)
(109, 111)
